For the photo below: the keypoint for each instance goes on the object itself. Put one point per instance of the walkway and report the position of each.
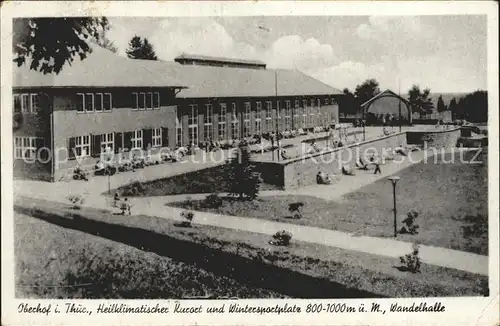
(155, 206)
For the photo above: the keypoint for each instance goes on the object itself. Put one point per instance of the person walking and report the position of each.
(376, 162)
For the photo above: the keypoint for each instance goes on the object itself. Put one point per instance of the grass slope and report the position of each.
(450, 198)
(300, 270)
(55, 262)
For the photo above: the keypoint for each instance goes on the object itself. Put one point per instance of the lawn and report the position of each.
(55, 262)
(154, 258)
(451, 200)
(210, 180)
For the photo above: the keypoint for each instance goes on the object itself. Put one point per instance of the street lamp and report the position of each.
(394, 180)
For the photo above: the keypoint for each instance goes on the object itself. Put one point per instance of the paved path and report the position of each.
(155, 206)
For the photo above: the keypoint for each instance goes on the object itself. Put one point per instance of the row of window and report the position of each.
(89, 145)
(26, 147)
(25, 102)
(146, 101)
(94, 102)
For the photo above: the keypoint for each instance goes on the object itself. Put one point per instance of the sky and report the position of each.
(443, 53)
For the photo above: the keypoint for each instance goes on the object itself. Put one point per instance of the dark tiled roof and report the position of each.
(103, 68)
(206, 81)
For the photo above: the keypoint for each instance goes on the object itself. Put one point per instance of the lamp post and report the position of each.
(277, 112)
(394, 180)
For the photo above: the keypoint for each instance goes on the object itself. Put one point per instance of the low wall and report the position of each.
(302, 171)
(437, 139)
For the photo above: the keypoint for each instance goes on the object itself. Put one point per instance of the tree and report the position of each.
(46, 44)
(473, 107)
(243, 180)
(140, 49)
(368, 89)
(348, 104)
(420, 101)
(440, 104)
(453, 108)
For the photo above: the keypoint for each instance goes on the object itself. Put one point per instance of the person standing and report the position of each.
(376, 162)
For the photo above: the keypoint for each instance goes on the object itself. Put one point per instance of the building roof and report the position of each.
(101, 68)
(386, 93)
(207, 81)
(196, 57)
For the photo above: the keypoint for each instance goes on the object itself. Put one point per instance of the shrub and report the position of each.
(409, 223)
(76, 200)
(281, 238)
(188, 217)
(241, 176)
(411, 262)
(295, 209)
(213, 201)
(134, 189)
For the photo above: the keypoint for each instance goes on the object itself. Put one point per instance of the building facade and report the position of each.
(69, 119)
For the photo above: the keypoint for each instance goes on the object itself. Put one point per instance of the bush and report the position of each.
(188, 217)
(409, 223)
(213, 201)
(134, 189)
(295, 209)
(76, 200)
(281, 238)
(411, 262)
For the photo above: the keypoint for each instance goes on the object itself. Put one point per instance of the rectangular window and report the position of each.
(207, 127)
(107, 142)
(223, 113)
(193, 124)
(269, 116)
(234, 114)
(157, 137)
(235, 130)
(221, 132)
(288, 115)
(17, 103)
(258, 106)
(135, 98)
(156, 101)
(149, 101)
(269, 110)
(82, 146)
(178, 131)
(304, 116)
(25, 147)
(34, 103)
(89, 102)
(81, 102)
(25, 103)
(209, 113)
(235, 126)
(108, 102)
(313, 103)
(136, 139)
(193, 115)
(98, 104)
(258, 126)
(142, 101)
(246, 120)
